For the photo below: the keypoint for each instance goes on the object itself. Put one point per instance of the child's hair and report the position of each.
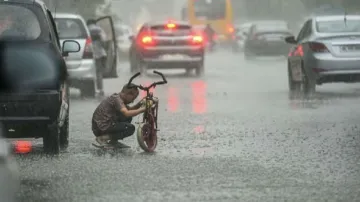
(129, 89)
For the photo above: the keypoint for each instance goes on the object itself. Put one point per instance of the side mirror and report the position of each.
(70, 46)
(291, 40)
(131, 38)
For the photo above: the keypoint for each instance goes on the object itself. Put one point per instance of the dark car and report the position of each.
(267, 39)
(33, 71)
(167, 45)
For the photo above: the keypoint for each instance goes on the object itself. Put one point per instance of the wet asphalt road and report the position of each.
(233, 135)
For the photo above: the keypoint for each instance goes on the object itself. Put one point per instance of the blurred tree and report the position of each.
(86, 8)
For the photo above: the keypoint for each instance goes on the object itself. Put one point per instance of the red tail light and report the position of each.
(171, 26)
(318, 47)
(197, 39)
(88, 51)
(22, 147)
(299, 51)
(146, 39)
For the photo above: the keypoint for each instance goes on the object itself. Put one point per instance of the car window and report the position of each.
(18, 22)
(338, 26)
(162, 30)
(304, 32)
(53, 29)
(70, 28)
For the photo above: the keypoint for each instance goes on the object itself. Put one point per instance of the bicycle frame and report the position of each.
(148, 128)
(150, 109)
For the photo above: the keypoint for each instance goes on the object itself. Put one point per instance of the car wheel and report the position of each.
(51, 140)
(88, 89)
(200, 70)
(292, 83)
(305, 87)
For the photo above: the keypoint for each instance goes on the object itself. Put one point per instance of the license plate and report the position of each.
(173, 57)
(350, 48)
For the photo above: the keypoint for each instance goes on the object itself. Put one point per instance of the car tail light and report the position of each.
(299, 51)
(197, 39)
(146, 39)
(318, 47)
(22, 147)
(171, 26)
(88, 51)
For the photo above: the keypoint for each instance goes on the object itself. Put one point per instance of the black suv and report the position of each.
(33, 71)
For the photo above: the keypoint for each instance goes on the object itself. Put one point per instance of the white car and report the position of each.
(80, 65)
(123, 34)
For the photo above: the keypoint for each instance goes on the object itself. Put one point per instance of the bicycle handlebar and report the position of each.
(164, 81)
(133, 77)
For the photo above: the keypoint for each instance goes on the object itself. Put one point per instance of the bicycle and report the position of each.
(148, 128)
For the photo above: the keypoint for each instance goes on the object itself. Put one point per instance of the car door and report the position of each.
(296, 56)
(110, 43)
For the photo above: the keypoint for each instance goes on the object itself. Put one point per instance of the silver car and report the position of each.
(326, 50)
(81, 65)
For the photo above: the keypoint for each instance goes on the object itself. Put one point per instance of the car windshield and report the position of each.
(162, 30)
(338, 26)
(18, 23)
(69, 28)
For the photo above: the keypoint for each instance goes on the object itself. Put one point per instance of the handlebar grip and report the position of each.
(133, 77)
(163, 77)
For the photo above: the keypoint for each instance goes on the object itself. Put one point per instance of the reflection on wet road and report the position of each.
(234, 135)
